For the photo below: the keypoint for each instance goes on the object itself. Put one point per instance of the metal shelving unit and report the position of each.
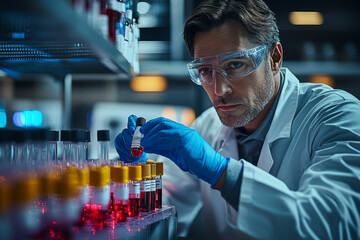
(48, 37)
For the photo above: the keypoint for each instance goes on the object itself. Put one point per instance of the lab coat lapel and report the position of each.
(281, 124)
(226, 143)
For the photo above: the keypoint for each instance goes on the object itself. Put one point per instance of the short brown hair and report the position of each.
(254, 15)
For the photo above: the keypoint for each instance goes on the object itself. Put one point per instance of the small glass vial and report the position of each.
(114, 17)
(145, 188)
(36, 148)
(26, 217)
(120, 178)
(69, 203)
(136, 148)
(153, 187)
(5, 211)
(5, 150)
(82, 139)
(134, 190)
(153, 184)
(69, 155)
(159, 173)
(83, 176)
(103, 137)
(53, 138)
(19, 157)
(99, 197)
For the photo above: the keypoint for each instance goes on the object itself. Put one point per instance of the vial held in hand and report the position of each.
(136, 148)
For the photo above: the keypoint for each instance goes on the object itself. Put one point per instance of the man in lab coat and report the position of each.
(282, 158)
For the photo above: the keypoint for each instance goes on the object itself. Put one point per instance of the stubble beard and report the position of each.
(263, 96)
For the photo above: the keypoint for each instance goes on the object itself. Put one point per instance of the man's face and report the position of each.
(237, 101)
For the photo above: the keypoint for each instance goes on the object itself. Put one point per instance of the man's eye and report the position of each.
(205, 70)
(234, 65)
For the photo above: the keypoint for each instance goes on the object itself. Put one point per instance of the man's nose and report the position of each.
(221, 83)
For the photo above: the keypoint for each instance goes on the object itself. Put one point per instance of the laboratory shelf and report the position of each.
(158, 224)
(49, 37)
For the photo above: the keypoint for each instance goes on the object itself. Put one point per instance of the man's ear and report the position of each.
(276, 57)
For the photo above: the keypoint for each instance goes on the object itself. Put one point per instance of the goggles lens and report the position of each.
(232, 65)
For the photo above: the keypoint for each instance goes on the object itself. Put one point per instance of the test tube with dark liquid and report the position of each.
(159, 173)
(145, 187)
(134, 190)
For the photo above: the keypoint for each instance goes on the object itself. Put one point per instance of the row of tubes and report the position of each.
(42, 197)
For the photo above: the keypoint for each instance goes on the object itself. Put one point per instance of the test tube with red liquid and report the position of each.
(159, 173)
(134, 190)
(153, 184)
(145, 188)
(111, 9)
(136, 148)
(100, 197)
(120, 178)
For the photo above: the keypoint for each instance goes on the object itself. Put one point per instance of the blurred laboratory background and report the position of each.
(60, 69)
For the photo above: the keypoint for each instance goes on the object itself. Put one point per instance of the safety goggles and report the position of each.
(231, 65)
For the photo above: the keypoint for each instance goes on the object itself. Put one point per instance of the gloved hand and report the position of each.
(123, 143)
(185, 147)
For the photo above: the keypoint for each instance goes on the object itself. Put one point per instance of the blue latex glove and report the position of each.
(185, 147)
(123, 143)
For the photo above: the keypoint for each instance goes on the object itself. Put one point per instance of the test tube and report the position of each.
(84, 179)
(114, 17)
(103, 137)
(25, 216)
(37, 149)
(120, 177)
(159, 173)
(153, 187)
(69, 202)
(145, 188)
(5, 213)
(136, 148)
(82, 139)
(47, 202)
(5, 150)
(53, 138)
(69, 156)
(134, 190)
(100, 196)
(83, 176)
(19, 157)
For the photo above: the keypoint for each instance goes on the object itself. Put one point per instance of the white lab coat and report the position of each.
(306, 184)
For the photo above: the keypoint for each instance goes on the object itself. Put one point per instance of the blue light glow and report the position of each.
(2, 118)
(18, 35)
(28, 118)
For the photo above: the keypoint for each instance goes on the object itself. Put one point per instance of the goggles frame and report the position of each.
(255, 56)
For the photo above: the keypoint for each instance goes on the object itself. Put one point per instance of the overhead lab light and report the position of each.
(306, 18)
(149, 83)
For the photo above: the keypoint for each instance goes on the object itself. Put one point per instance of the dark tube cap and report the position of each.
(103, 135)
(65, 135)
(53, 136)
(5, 135)
(140, 121)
